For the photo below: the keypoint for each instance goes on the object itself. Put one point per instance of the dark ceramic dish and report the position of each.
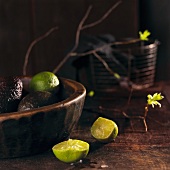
(31, 132)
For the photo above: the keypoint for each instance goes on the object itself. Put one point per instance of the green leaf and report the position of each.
(153, 100)
(144, 35)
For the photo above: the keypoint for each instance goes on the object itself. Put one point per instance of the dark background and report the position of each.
(21, 21)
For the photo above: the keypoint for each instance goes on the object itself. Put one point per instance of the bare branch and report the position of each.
(32, 45)
(76, 40)
(104, 63)
(102, 18)
(82, 27)
(104, 46)
(126, 115)
(145, 124)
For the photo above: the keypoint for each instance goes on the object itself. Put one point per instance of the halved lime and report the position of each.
(71, 150)
(104, 130)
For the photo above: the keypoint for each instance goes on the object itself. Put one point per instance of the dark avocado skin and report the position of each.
(10, 93)
(37, 99)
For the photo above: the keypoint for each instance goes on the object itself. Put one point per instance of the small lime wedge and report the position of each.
(71, 150)
(104, 130)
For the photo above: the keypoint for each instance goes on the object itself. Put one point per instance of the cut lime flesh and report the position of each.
(104, 130)
(71, 150)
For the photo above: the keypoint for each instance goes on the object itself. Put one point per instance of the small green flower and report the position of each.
(153, 100)
(144, 35)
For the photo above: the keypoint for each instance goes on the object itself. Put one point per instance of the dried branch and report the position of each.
(32, 45)
(73, 54)
(143, 118)
(103, 17)
(81, 27)
(104, 63)
(76, 40)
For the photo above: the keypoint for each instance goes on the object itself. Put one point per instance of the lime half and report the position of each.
(104, 130)
(71, 150)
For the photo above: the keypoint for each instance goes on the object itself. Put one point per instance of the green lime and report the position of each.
(71, 150)
(44, 81)
(104, 130)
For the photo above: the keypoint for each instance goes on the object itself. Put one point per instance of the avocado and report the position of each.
(10, 93)
(37, 99)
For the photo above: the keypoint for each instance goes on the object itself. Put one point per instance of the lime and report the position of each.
(71, 150)
(44, 81)
(104, 130)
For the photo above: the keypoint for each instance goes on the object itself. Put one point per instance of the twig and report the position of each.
(103, 17)
(128, 116)
(32, 45)
(104, 46)
(76, 40)
(104, 63)
(137, 117)
(131, 117)
(81, 27)
(146, 110)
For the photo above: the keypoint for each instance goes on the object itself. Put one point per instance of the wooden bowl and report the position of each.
(37, 130)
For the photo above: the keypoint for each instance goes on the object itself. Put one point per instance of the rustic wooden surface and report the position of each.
(132, 149)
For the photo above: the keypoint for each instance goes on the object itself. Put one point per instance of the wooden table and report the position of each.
(133, 148)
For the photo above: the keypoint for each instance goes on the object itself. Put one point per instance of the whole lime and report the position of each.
(44, 81)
